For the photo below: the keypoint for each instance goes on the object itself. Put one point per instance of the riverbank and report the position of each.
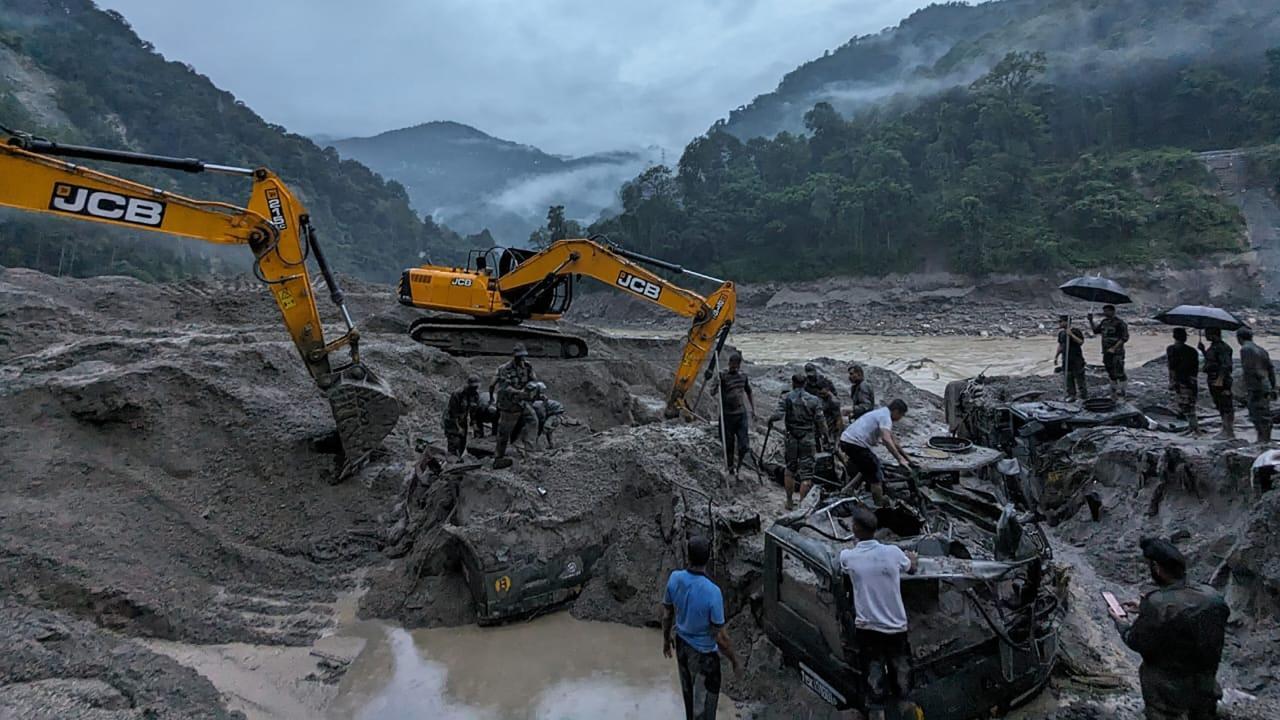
(949, 304)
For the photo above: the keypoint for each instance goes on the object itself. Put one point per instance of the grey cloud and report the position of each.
(570, 76)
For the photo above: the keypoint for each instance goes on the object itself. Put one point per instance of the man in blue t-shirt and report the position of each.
(694, 604)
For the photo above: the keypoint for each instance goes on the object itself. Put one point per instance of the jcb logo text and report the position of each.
(462, 282)
(106, 205)
(639, 285)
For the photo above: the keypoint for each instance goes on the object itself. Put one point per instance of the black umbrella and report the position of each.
(1096, 289)
(1200, 317)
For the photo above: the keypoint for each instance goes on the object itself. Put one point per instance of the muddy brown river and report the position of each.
(930, 362)
(550, 668)
(553, 668)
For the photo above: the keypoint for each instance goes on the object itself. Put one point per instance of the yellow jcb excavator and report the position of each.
(502, 287)
(276, 228)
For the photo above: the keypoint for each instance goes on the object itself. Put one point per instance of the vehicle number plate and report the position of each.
(820, 687)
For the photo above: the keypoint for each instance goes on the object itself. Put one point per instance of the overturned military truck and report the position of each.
(985, 602)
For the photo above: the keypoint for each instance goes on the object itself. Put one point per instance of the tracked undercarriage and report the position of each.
(458, 336)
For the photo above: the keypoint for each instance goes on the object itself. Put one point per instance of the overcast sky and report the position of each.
(570, 76)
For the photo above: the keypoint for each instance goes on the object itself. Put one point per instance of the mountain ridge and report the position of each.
(951, 44)
(472, 180)
(79, 74)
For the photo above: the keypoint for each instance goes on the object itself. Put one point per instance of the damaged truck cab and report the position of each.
(983, 632)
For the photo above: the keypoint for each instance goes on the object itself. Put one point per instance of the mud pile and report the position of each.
(1193, 490)
(167, 476)
(56, 668)
(168, 460)
(1198, 494)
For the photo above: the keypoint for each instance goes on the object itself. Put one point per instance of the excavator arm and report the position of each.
(619, 268)
(276, 228)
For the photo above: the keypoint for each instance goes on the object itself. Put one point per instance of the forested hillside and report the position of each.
(953, 43)
(78, 74)
(1030, 166)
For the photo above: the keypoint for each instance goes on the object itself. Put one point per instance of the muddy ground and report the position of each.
(167, 478)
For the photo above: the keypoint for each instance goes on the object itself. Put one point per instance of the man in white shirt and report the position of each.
(880, 620)
(865, 433)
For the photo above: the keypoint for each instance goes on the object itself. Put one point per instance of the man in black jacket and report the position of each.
(1184, 370)
(1179, 632)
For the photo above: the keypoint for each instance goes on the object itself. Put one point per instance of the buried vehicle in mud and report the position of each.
(983, 632)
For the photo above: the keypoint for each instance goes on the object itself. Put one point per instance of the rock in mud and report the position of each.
(53, 667)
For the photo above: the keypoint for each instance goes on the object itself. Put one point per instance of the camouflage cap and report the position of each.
(519, 350)
(473, 380)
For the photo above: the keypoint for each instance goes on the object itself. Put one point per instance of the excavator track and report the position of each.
(471, 338)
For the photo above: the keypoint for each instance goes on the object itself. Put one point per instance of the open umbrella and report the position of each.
(1096, 289)
(1200, 317)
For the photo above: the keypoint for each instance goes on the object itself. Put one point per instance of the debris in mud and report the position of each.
(1104, 486)
(983, 631)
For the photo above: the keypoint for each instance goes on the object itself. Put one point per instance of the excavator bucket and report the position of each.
(365, 411)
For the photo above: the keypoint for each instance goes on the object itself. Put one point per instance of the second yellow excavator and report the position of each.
(501, 288)
(276, 228)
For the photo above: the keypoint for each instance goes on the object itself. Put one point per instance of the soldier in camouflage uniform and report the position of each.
(513, 405)
(737, 405)
(802, 416)
(821, 387)
(1217, 375)
(459, 413)
(1259, 379)
(864, 397)
(1179, 631)
(1114, 336)
(1184, 369)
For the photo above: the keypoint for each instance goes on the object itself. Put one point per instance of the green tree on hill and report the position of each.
(1010, 173)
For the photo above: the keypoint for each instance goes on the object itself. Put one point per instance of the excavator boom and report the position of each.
(497, 296)
(276, 228)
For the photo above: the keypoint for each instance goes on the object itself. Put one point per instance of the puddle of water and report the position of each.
(931, 361)
(552, 668)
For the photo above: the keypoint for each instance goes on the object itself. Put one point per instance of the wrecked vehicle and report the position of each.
(990, 411)
(984, 603)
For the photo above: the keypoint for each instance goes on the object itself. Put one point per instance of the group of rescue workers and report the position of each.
(813, 422)
(518, 409)
(1184, 364)
(1178, 629)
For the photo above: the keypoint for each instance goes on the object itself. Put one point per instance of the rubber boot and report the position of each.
(1114, 391)
(1124, 389)
(1193, 423)
(1264, 433)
